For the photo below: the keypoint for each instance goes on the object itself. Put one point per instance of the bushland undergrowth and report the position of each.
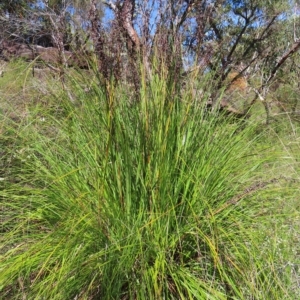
(114, 198)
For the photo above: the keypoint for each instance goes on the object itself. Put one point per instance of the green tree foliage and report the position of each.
(14, 6)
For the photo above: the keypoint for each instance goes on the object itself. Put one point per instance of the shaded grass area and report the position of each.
(151, 199)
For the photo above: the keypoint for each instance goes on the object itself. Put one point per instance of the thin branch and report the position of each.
(262, 36)
(189, 7)
(111, 5)
(273, 72)
(237, 41)
(248, 191)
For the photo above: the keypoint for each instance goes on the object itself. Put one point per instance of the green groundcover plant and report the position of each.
(115, 197)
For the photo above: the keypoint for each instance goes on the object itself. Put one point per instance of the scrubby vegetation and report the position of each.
(149, 150)
(114, 198)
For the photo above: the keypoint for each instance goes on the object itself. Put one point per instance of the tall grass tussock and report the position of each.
(155, 198)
